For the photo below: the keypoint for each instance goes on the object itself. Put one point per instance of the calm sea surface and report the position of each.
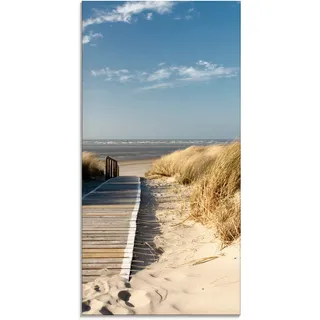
(123, 150)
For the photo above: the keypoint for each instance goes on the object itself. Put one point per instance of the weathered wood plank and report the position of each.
(101, 250)
(99, 266)
(107, 206)
(111, 239)
(108, 227)
(104, 260)
(105, 255)
(107, 246)
(104, 242)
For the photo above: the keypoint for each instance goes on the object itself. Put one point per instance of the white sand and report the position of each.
(134, 168)
(178, 283)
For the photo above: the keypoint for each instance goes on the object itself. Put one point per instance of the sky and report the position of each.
(160, 70)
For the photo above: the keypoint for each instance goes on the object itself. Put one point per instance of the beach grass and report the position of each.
(92, 167)
(187, 165)
(214, 173)
(216, 197)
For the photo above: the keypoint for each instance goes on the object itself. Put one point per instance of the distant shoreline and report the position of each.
(142, 150)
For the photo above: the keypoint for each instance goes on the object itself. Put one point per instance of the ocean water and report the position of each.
(128, 150)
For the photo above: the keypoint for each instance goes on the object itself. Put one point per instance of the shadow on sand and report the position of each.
(145, 251)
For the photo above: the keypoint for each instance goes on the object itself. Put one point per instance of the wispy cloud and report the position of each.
(169, 76)
(160, 74)
(125, 12)
(88, 37)
(188, 15)
(125, 78)
(204, 71)
(110, 74)
(149, 16)
(163, 85)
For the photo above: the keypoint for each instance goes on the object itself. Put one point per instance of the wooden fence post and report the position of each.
(115, 169)
(107, 168)
(112, 168)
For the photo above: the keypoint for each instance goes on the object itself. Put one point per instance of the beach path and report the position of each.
(109, 214)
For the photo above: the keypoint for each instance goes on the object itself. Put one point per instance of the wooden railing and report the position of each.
(112, 168)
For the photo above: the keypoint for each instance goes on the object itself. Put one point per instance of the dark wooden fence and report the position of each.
(112, 168)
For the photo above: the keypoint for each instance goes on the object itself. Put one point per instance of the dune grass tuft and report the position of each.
(214, 172)
(187, 166)
(92, 167)
(216, 198)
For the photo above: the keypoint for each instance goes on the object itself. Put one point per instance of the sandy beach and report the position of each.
(194, 274)
(135, 168)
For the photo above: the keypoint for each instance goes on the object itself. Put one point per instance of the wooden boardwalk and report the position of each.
(109, 215)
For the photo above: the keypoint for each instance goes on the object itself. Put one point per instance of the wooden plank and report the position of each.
(107, 206)
(105, 255)
(108, 226)
(107, 246)
(98, 266)
(101, 250)
(108, 230)
(110, 242)
(123, 226)
(104, 236)
(105, 214)
(103, 260)
(101, 233)
(111, 239)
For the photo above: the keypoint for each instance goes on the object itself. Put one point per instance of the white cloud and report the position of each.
(125, 78)
(149, 16)
(160, 75)
(88, 37)
(201, 71)
(187, 17)
(163, 85)
(125, 12)
(109, 73)
(205, 71)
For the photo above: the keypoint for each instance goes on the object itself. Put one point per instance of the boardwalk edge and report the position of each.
(131, 235)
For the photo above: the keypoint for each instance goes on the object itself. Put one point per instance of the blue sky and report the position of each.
(161, 70)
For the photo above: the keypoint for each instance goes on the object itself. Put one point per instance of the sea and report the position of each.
(143, 149)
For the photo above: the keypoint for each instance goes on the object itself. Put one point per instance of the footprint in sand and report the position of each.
(137, 298)
(86, 306)
(124, 295)
(105, 311)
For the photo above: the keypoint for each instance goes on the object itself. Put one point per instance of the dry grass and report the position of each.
(92, 167)
(216, 198)
(187, 165)
(214, 172)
